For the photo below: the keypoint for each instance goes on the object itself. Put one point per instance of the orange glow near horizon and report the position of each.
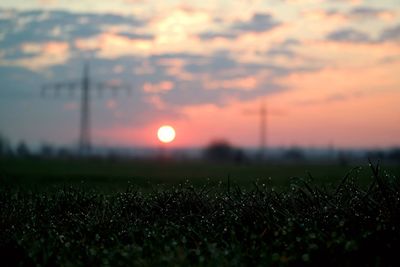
(361, 121)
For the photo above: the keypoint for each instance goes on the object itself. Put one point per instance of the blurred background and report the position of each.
(240, 81)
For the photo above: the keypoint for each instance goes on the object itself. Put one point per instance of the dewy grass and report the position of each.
(306, 225)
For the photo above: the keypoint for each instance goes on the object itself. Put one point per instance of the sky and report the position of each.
(326, 70)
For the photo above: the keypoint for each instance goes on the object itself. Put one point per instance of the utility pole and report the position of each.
(85, 86)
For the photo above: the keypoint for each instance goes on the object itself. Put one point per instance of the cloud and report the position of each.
(354, 15)
(205, 36)
(177, 25)
(330, 99)
(363, 13)
(281, 52)
(283, 49)
(333, 85)
(160, 87)
(41, 27)
(36, 56)
(137, 36)
(290, 42)
(134, 1)
(184, 58)
(331, 15)
(242, 83)
(349, 35)
(176, 80)
(186, 79)
(60, 25)
(112, 45)
(260, 22)
(156, 102)
(214, 64)
(391, 34)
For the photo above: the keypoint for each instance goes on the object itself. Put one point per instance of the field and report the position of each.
(114, 176)
(143, 213)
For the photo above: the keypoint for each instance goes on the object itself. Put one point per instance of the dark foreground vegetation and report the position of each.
(212, 225)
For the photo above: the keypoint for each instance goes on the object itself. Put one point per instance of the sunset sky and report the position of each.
(327, 70)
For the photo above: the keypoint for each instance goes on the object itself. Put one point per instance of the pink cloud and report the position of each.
(245, 83)
(323, 15)
(112, 45)
(160, 87)
(45, 54)
(49, 48)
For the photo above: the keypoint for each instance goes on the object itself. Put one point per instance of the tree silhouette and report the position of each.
(22, 149)
(222, 150)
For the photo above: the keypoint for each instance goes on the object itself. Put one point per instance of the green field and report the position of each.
(114, 176)
(147, 213)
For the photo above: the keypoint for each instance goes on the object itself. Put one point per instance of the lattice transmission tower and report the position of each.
(262, 112)
(86, 86)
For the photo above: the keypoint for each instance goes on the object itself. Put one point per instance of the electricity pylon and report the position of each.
(84, 136)
(263, 130)
(262, 112)
(85, 86)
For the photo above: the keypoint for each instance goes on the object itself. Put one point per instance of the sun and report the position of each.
(166, 134)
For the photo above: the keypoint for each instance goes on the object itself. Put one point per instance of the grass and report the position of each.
(206, 225)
